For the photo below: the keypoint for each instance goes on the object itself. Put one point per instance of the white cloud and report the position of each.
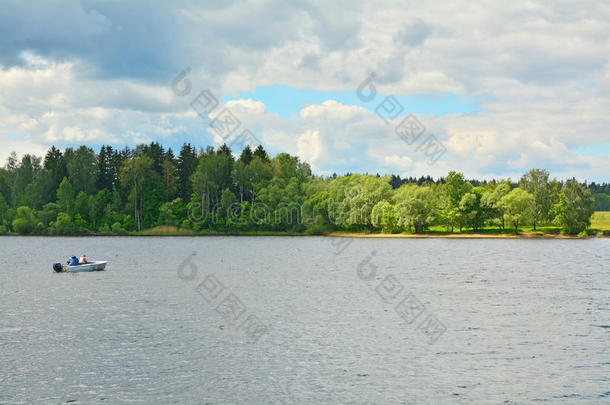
(540, 69)
(401, 163)
(309, 147)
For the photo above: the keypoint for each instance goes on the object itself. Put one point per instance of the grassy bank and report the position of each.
(600, 227)
(175, 231)
(601, 221)
(463, 235)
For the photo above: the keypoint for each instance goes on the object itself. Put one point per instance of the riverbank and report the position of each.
(189, 232)
(486, 234)
(459, 235)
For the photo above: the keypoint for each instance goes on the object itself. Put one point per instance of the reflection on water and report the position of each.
(305, 320)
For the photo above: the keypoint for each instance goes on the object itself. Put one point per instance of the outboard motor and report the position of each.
(58, 267)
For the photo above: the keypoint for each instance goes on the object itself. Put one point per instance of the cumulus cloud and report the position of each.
(100, 72)
(402, 163)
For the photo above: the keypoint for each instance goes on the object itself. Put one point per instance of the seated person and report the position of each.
(82, 259)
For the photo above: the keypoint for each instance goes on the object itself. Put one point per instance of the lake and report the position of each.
(305, 320)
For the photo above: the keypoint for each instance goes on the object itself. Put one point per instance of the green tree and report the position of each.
(156, 153)
(132, 176)
(55, 164)
(353, 197)
(383, 217)
(242, 178)
(470, 210)
(96, 191)
(81, 205)
(24, 176)
(4, 207)
(602, 202)
(246, 155)
(65, 196)
(63, 225)
(80, 224)
(42, 189)
(11, 162)
(447, 214)
(187, 164)
(517, 207)
(416, 207)
(536, 182)
(213, 174)
(286, 167)
(25, 221)
(260, 174)
(82, 168)
(153, 195)
(97, 206)
(171, 213)
(5, 185)
(116, 207)
(261, 154)
(491, 202)
(107, 170)
(455, 188)
(227, 200)
(316, 212)
(170, 179)
(48, 214)
(575, 207)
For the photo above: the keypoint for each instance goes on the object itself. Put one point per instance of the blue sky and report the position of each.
(486, 81)
(286, 101)
(601, 149)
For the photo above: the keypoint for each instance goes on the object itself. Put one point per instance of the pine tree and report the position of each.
(262, 154)
(246, 155)
(187, 163)
(104, 179)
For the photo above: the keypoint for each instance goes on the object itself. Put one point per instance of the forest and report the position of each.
(134, 190)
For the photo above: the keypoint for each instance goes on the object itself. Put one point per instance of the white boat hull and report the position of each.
(91, 266)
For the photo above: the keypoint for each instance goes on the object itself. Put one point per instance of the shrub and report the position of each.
(64, 224)
(79, 223)
(118, 229)
(128, 223)
(40, 228)
(316, 229)
(25, 221)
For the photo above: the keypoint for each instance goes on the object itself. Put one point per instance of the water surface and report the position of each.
(524, 321)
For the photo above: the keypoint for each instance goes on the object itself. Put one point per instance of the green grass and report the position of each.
(601, 220)
(494, 230)
(164, 231)
(175, 231)
(600, 226)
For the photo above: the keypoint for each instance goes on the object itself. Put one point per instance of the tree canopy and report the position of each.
(117, 191)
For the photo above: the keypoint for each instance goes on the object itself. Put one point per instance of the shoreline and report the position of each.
(524, 235)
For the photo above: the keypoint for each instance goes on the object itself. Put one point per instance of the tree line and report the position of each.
(78, 191)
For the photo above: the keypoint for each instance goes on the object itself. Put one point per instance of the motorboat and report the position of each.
(89, 266)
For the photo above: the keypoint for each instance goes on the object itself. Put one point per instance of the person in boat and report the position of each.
(73, 261)
(82, 259)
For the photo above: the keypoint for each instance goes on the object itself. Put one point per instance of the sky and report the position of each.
(488, 88)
